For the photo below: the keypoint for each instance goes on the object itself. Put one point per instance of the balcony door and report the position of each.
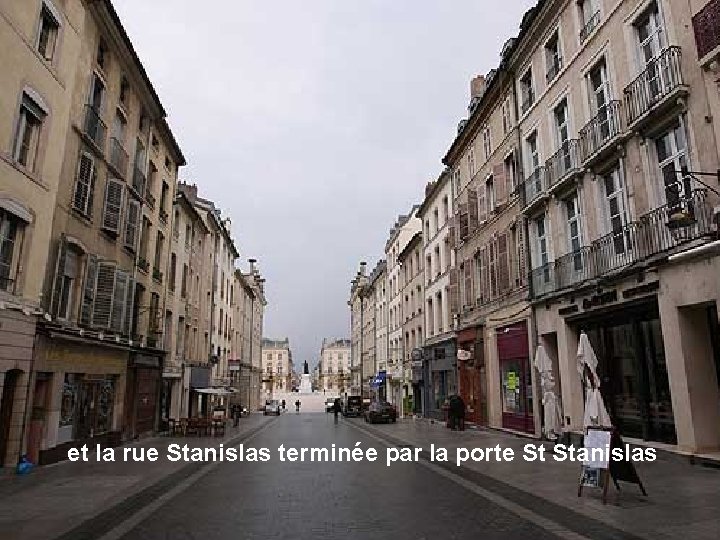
(613, 193)
(651, 40)
(575, 242)
(542, 253)
(562, 135)
(599, 100)
(671, 151)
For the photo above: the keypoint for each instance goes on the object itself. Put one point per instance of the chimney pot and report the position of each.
(477, 86)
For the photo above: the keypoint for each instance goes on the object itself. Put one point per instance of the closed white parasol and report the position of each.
(596, 414)
(551, 404)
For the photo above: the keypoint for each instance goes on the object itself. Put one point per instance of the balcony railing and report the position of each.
(563, 162)
(534, 185)
(591, 25)
(118, 157)
(706, 24)
(94, 127)
(139, 180)
(661, 77)
(605, 126)
(647, 237)
(143, 264)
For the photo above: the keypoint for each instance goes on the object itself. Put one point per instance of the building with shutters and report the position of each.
(412, 277)
(404, 229)
(493, 317)
(98, 354)
(437, 375)
(334, 366)
(620, 147)
(38, 45)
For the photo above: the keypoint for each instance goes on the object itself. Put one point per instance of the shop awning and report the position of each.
(216, 391)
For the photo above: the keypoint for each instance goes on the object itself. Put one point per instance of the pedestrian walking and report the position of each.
(297, 406)
(336, 409)
(283, 405)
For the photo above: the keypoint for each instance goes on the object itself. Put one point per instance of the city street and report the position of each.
(297, 500)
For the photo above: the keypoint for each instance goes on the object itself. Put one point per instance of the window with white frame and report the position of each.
(47, 33)
(650, 34)
(561, 117)
(615, 213)
(553, 57)
(541, 251)
(507, 115)
(527, 91)
(11, 227)
(456, 180)
(672, 160)
(490, 200)
(533, 155)
(27, 133)
(487, 142)
(511, 171)
(589, 17)
(471, 161)
(574, 229)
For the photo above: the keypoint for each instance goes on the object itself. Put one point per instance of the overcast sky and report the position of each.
(313, 124)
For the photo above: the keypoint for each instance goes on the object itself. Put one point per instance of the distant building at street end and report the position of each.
(334, 365)
(277, 366)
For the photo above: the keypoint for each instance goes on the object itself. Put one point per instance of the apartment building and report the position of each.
(98, 354)
(412, 276)
(379, 300)
(38, 45)
(334, 366)
(404, 229)
(437, 372)
(277, 366)
(356, 303)
(616, 132)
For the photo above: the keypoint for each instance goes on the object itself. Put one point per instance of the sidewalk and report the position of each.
(683, 501)
(54, 499)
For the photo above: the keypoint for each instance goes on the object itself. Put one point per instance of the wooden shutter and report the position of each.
(521, 254)
(469, 298)
(113, 206)
(129, 307)
(463, 221)
(503, 263)
(132, 223)
(104, 295)
(500, 183)
(58, 277)
(119, 300)
(82, 199)
(88, 299)
(472, 210)
(454, 291)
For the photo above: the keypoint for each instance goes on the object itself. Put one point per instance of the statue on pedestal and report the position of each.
(306, 371)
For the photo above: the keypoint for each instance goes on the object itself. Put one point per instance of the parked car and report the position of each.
(380, 411)
(353, 406)
(329, 404)
(272, 406)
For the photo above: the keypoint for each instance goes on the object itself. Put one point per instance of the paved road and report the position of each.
(332, 500)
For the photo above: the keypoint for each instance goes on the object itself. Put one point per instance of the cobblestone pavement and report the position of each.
(272, 500)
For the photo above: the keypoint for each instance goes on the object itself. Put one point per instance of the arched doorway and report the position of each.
(6, 409)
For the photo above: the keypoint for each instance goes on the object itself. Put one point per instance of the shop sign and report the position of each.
(464, 355)
(512, 380)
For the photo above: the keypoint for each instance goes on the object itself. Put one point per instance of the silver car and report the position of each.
(272, 406)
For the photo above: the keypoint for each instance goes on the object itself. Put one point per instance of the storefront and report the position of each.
(472, 377)
(197, 377)
(441, 376)
(143, 391)
(633, 372)
(515, 377)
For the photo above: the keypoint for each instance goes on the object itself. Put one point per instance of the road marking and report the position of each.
(529, 515)
(124, 527)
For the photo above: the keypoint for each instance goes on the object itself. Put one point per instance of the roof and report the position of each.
(415, 240)
(442, 179)
(275, 343)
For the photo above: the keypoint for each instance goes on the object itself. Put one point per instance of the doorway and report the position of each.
(6, 409)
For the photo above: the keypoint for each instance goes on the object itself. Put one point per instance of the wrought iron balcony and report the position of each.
(534, 186)
(118, 157)
(591, 25)
(661, 79)
(563, 162)
(598, 132)
(139, 180)
(647, 237)
(706, 24)
(94, 127)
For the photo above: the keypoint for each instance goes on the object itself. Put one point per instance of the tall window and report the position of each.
(490, 195)
(507, 115)
(572, 210)
(616, 218)
(562, 132)
(27, 133)
(650, 34)
(599, 87)
(487, 142)
(589, 17)
(553, 57)
(671, 150)
(471, 161)
(47, 33)
(9, 230)
(532, 152)
(542, 256)
(511, 172)
(527, 91)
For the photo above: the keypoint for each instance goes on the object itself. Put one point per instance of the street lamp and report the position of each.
(683, 215)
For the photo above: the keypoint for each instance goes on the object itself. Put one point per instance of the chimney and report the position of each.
(227, 222)
(363, 268)
(428, 188)
(252, 265)
(477, 86)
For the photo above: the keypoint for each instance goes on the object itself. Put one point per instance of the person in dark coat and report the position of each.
(456, 412)
(337, 407)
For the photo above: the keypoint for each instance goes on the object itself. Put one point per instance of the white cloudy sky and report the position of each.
(314, 123)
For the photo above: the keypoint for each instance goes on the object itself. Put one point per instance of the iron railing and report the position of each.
(662, 75)
(604, 126)
(563, 162)
(534, 185)
(139, 180)
(639, 240)
(118, 157)
(591, 25)
(94, 127)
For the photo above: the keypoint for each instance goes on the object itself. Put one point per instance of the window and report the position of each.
(490, 200)
(487, 142)
(27, 134)
(553, 57)
(446, 210)
(48, 33)
(68, 278)
(101, 57)
(132, 223)
(560, 114)
(599, 88)
(108, 297)
(671, 150)
(533, 155)
(10, 226)
(511, 172)
(173, 272)
(527, 92)
(456, 180)
(160, 239)
(616, 218)
(183, 287)
(572, 210)
(507, 115)
(85, 184)
(97, 94)
(471, 161)
(124, 91)
(589, 17)
(541, 255)
(114, 191)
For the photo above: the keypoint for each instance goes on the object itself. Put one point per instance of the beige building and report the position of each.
(277, 366)
(357, 305)
(616, 130)
(412, 278)
(98, 350)
(38, 46)
(334, 366)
